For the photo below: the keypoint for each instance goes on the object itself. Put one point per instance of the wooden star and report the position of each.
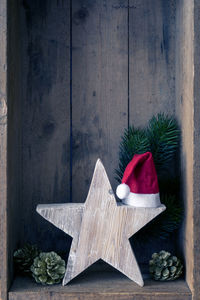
(100, 228)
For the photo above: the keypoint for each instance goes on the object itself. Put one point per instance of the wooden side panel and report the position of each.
(152, 59)
(14, 129)
(46, 115)
(99, 88)
(196, 168)
(185, 113)
(3, 149)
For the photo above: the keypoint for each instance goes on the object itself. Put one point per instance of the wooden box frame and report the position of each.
(188, 112)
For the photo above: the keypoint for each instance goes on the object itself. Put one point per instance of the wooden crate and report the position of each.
(73, 75)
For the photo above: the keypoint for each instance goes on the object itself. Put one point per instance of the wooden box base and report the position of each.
(100, 284)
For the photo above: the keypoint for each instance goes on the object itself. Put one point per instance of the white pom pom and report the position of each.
(122, 191)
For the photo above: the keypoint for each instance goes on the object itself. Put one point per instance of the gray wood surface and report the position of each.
(45, 81)
(99, 88)
(152, 59)
(187, 94)
(3, 151)
(102, 47)
(151, 74)
(196, 170)
(184, 109)
(100, 228)
(98, 284)
(14, 168)
(46, 114)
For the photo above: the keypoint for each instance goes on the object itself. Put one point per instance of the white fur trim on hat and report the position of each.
(122, 191)
(142, 200)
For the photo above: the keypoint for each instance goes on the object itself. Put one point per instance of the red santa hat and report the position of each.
(139, 185)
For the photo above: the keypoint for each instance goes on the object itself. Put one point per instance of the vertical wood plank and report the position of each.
(185, 104)
(3, 149)
(152, 59)
(46, 115)
(14, 130)
(196, 170)
(99, 88)
(151, 77)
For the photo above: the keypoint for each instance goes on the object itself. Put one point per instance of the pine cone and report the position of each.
(163, 266)
(48, 268)
(24, 257)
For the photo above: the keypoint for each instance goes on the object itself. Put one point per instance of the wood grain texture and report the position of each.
(196, 168)
(151, 76)
(99, 88)
(100, 228)
(152, 59)
(46, 114)
(14, 130)
(100, 45)
(185, 114)
(98, 284)
(3, 150)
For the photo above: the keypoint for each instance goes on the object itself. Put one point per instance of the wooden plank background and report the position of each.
(151, 78)
(46, 115)
(152, 59)
(99, 89)
(89, 69)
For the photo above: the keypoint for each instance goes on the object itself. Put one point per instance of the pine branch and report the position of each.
(161, 138)
(134, 141)
(163, 135)
(166, 223)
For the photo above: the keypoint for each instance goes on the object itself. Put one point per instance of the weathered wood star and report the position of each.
(100, 228)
